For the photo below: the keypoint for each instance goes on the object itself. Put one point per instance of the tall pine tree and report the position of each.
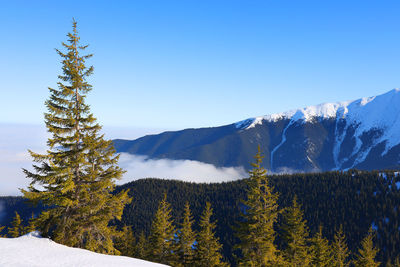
(295, 237)
(76, 176)
(256, 231)
(186, 238)
(162, 245)
(340, 251)
(208, 247)
(367, 252)
(321, 250)
(17, 228)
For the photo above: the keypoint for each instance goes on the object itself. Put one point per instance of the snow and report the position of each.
(32, 250)
(368, 113)
(283, 140)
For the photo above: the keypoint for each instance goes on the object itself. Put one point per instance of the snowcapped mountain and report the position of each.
(363, 133)
(32, 250)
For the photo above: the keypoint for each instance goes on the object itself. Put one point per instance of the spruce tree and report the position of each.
(321, 250)
(295, 237)
(1, 229)
(208, 247)
(140, 247)
(31, 227)
(367, 252)
(162, 235)
(186, 238)
(17, 228)
(125, 242)
(76, 176)
(256, 231)
(340, 251)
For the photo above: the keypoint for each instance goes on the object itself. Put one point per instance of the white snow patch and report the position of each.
(32, 250)
(283, 140)
(398, 185)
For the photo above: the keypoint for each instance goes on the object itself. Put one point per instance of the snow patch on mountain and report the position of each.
(380, 112)
(32, 250)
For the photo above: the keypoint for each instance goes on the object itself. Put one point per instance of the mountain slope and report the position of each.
(363, 134)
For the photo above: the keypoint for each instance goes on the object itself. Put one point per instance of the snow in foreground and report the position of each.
(32, 250)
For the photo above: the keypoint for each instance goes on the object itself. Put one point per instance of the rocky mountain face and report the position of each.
(361, 134)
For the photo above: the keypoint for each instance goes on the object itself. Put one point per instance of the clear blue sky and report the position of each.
(179, 64)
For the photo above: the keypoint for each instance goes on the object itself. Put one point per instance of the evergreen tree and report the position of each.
(321, 250)
(1, 229)
(256, 231)
(162, 235)
(208, 247)
(17, 229)
(31, 225)
(367, 252)
(141, 247)
(125, 242)
(340, 251)
(295, 237)
(77, 174)
(186, 238)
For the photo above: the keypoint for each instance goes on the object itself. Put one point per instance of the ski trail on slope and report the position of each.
(338, 143)
(280, 144)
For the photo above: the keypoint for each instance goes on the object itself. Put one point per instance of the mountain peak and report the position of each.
(355, 110)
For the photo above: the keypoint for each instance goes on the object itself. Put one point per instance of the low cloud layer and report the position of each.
(16, 139)
(185, 170)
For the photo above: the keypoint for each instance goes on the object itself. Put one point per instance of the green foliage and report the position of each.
(367, 252)
(31, 227)
(78, 171)
(340, 251)
(186, 238)
(353, 199)
(1, 229)
(208, 246)
(17, 228)
(321, 250)
(256, 230)
(125, 242)
(140, 247)
(295, 237)
(162, 235)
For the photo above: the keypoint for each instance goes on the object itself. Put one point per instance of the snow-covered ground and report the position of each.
(31, 250)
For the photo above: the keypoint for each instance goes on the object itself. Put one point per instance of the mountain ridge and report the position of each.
(363, 133)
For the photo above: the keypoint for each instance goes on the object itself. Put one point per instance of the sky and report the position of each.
(180, 64)
(168, 65)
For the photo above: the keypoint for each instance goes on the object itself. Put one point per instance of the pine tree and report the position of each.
(321, 250)
(186, 238)
(125, 242)
(295, 236)
(31, 227)
(17, 229)
(340, 251)
(140, 247)
(77, 174)
(367, 252)
(1, 229)
(208, 247)
(162, 235)
(256, 231)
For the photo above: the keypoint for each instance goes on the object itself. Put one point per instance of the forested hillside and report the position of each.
(356, 200)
